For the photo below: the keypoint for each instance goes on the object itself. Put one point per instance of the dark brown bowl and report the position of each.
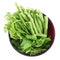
(51, 34)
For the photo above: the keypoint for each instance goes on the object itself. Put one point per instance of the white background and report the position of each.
(51, 8)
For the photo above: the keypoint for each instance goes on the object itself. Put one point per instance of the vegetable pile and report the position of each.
(28, 30)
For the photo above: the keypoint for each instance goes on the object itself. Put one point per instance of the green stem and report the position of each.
(32, 21)
(29, 25)
(45, 24)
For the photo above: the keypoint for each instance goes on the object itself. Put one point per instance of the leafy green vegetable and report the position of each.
(25, 44)
(35, 51)
(28, 30)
